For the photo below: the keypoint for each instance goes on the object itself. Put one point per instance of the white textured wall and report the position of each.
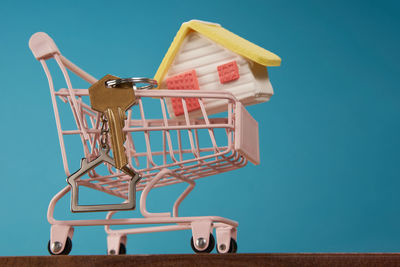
(199, 53)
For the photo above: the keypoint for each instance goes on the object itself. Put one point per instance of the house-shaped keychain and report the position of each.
(205, 56)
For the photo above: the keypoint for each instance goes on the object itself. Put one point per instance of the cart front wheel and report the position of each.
(208, 249)
(232, 247)
(66, 250)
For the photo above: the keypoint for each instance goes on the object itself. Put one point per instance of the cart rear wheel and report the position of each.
(67, 248)
(232, 246)
(210, 247)
(122, 249)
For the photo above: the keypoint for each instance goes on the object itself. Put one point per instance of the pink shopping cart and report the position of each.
(163, 151)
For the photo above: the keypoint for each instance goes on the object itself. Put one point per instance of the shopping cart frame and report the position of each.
(236, 153)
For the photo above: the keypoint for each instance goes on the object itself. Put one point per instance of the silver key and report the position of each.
(85, 168)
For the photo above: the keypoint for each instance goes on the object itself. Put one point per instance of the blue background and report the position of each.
(329, 177)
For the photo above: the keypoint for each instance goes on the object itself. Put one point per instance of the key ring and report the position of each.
(150, 83)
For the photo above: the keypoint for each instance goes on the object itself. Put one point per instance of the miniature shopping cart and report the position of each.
(165, 150)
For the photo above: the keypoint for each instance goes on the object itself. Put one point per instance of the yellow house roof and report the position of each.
(221, 36)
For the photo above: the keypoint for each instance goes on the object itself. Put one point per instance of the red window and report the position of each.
(228, 72)
(184, 81)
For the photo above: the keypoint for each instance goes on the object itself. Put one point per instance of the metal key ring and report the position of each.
(151, 83)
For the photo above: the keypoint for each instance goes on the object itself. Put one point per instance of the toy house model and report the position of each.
(205, 56)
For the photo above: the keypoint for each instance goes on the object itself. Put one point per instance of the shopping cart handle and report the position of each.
(42, 46)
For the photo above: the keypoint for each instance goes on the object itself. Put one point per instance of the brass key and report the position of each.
(113, 103)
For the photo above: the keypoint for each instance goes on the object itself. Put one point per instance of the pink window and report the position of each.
(184, 81)
(228, 72)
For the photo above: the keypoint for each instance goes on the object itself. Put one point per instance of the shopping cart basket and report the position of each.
(164, 151)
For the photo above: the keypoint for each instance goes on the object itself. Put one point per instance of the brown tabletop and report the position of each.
(273, 259)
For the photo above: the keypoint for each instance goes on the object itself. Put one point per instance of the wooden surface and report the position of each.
(281, 259)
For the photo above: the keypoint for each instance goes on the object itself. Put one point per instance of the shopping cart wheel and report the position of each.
(232, 247)
(66, 250)
(210, 247)
(122, 249)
